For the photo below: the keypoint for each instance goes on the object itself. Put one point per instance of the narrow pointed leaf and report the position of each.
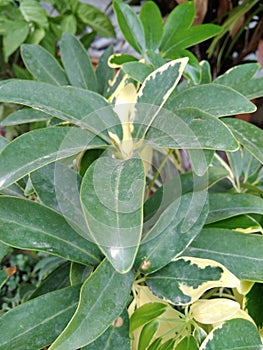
(115, 337)
(233, 334)
(249, 135)
(62, 142)
(25, 115)
(177, 226)
(36, 323)
(74, 105)
(112, 194)
(147, 334)
(190, 128)
(42, 65)
(185, 279)
(151, 19)
(103, 296)
(44, 230)
(179, 19)
(231, 102)
(154, 92)
(224, 205)
(77, 63)
(130, 25)
(240, 253)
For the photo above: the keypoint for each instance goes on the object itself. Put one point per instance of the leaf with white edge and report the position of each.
(240, 253)
(206, 98)
(25, 115)
(240, 78)
(145, 314)
(118, 59)
(130, 25)
(154, 92)
(249, 135)
(185, 279)
(112, 194)
(62, 142)
(115, 337)
(57, 186)
(36, 323)
(44, 230)
(71, 104)
(189, 128)
(77, 63)
(179, 19)
(137, 70)
(214, 310)
(103, 296)
(177, 226)
(226, 205)
(233, 334)
(42, 65)
(152, 22)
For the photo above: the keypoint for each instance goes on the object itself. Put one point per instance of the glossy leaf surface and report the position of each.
(36, 323)
(42, 65)
(111, 194)
(239, 252)
(63, 142)
(231, 102)
(103, 296)
(151, 19)
(77, 63)
(43, 230)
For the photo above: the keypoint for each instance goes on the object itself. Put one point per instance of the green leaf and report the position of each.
(3, 250)
(241, 223)
(3, 141)
(206, 77)
(130, 25)
(178, 20)
(239, 252)
(57, 186)
(118, 59)
(115, 337)
(177, 226)
(187, 343)
(79, 273)
(233, 334)
(36, 323)
(249, 135)
(200, 160)
(34, 12)
(240, 78)
(25, 115)
(43, 230)
(178, 186)
(112, 193)
(37, 152)
(152, 22)
(225, 205)
(72, 104)
(103, 296)
(185, 279)
(190, 128)
(77, 63)
(145, 314)
(230, 102)
(155, 344)
(15, 36)
(189, 37)
(147, 334)
(57, 279)
(254, 303)
(95, 19)
(137, 70)
(42, 65)
(69, 24)
(154, 92)
(104, 73)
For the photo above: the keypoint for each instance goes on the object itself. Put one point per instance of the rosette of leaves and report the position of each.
(77, 189)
